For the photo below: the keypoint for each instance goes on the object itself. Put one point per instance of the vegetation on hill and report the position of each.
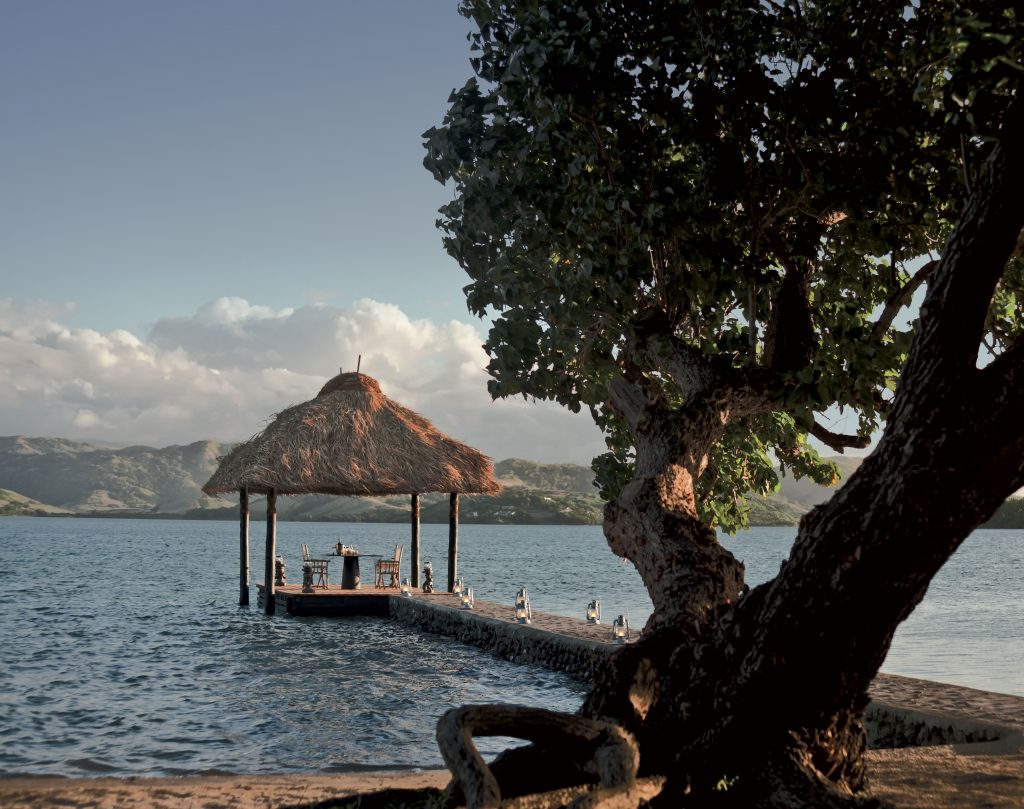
(164, 482)
(14, 504)
(546, 477)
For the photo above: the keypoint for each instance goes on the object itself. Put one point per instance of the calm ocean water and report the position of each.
(124, 652)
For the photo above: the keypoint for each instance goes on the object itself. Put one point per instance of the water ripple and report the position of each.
(133, 659)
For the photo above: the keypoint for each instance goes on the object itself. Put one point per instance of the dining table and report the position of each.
(350, 567)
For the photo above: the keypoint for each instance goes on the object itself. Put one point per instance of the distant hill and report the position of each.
(78, 477)
(12, 503)
(548, 477)
(806, 493)
(1009, 515)
(55, 476)
(58, 476)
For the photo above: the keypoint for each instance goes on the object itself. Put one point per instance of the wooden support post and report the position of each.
(243, 548)
(414, 560)
(268, 575)
(453, 540)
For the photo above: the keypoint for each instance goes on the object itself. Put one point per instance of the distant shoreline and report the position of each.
(230, 515)
(57, 476)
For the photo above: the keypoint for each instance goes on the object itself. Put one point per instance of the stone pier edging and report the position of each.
(904, 711)
(519, 643)
(910, 712)
(889, 726)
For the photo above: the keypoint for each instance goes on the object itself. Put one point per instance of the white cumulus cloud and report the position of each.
(223, 371)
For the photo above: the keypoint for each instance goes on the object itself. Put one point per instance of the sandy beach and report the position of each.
(205, 792)
(944, 777)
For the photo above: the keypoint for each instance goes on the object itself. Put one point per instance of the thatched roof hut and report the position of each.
(350, 440)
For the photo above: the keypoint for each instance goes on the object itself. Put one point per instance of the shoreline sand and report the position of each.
(944, 777)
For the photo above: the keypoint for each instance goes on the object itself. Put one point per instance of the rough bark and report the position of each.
(654, 523)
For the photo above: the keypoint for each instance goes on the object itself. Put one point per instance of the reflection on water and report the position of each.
(124, 651)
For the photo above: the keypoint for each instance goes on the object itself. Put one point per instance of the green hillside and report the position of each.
(13, 504)
(41, 476)
(563, 477)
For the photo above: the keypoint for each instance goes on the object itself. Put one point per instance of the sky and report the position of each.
(208, 208)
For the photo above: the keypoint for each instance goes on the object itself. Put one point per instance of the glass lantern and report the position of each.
(523, 612)
(467, 598)
(620, 629)
(594, 612)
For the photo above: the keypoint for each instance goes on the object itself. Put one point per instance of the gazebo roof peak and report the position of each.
(351, 439)
(351, 381)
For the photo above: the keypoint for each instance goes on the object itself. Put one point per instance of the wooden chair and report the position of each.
(389, 567)
(319, 566)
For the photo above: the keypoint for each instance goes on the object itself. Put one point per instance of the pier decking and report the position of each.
(334, 602)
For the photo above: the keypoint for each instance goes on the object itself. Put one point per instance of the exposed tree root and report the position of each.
(605, 750)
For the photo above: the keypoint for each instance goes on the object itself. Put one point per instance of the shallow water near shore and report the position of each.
(124, 651)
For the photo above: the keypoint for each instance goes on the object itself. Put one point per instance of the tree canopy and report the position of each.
(707, 223)
(752, 190)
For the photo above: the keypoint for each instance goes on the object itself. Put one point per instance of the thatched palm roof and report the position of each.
(352, 440)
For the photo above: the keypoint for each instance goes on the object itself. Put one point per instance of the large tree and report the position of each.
(711, 224)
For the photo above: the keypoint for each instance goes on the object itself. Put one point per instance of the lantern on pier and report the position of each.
(620, 629)
(594, 612)
(467, 598)
(459, 586)
(406, 588)
(523, 611)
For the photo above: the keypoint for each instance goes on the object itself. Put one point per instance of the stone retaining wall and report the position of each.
(520, 643)
(889, 726)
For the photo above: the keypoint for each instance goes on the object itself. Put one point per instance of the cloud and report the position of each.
(223, 371)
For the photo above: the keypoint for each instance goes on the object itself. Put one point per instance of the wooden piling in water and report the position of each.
(243, 548)
(414, 555)
(268, 574)
(453, 540)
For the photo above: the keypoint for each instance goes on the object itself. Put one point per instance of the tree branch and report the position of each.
(745, 391)
(789, 335)
(838, 441)
(628, 401)
(955, 309)
(999, 393)
(900, 299)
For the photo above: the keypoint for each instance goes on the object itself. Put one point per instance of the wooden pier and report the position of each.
(334, 602)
